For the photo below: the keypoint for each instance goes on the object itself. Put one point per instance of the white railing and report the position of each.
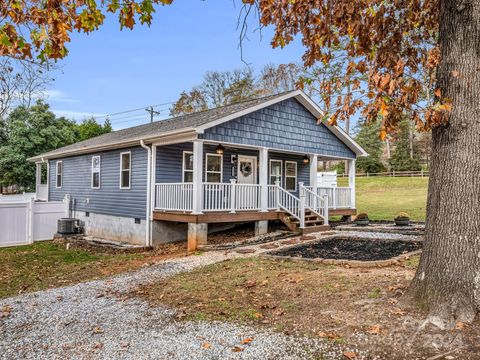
(315, 203)
(174, 196)
(291, 204)
(247, 197)
(338, 197)
(272, 197)
(217, 197)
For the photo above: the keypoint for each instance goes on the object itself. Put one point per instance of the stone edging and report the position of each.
(349, 263)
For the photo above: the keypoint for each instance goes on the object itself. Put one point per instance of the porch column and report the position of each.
(38, 179)
(313, 172)
(351, 182)
(263, 179)
(197, 177)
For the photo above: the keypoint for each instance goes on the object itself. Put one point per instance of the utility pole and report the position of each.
(152, 113)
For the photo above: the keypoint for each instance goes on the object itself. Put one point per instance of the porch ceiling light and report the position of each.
(219, 149)
(306, 159)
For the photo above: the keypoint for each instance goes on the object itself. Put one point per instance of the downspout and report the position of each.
(148, 216)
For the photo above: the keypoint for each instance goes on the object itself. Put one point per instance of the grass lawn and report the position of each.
(49, 264)
(383, 197)
(349, 308)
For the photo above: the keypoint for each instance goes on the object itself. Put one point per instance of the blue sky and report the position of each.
(110, 70)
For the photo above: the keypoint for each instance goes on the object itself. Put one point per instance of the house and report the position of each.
(173, 179)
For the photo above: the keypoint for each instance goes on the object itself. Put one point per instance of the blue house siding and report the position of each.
(170, 162)
(286, 125)
(109, 199)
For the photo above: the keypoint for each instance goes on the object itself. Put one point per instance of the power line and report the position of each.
(132, 110)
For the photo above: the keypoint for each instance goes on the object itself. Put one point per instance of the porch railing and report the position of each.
(234, 197)
(315, 203)
(338, 197)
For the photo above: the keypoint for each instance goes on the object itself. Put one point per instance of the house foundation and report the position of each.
(261, 227)
(197, 235)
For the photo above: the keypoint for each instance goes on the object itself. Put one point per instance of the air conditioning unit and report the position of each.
(68, 226)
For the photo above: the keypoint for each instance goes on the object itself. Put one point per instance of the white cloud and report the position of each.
(58, 95)
(75, 115)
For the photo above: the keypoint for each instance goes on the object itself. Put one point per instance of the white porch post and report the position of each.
(197, 177)
(263, 179)
(351, 182)
(313, 177)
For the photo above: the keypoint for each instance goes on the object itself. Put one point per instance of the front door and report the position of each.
(247, 196)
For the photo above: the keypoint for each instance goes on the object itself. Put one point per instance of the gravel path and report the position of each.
(93, 320)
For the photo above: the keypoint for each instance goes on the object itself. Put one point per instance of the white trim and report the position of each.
(213, 172)
(56, 174)
(129, 170)
(99, 171)
(270, 171)
(289, 176)
(183, 165)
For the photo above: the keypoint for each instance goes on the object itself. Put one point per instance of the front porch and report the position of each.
(229, 183)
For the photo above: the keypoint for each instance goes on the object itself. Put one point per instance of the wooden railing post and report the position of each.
(325, 209)
(233, 191)
(277, 194)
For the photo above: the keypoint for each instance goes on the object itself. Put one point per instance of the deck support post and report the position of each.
(261, 227)
(197, 177)
(197, 235)
(351, 182)
(263, 179)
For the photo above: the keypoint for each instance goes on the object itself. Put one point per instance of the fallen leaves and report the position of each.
(374, 330)
(97, 330)
(6, 311)
(246, 341)
(237, 349)
(398, 312)
(206, 345)
(350, 355)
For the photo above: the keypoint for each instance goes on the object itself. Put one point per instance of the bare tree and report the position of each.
(21, 83)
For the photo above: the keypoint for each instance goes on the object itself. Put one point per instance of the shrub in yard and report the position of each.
(362, 219)
(402, 219)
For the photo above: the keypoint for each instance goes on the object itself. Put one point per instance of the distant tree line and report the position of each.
(31, 130)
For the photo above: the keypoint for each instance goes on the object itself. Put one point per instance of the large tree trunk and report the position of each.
(447, 282)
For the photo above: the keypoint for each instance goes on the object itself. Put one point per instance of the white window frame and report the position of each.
(129, 170)
(99, 170)
(183, 165)
(56, 175)
(270, 171)
(289, 176)
(214, 172)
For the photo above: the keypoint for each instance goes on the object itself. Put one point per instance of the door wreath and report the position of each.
(246, 169)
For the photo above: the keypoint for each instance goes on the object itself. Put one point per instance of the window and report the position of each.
(275, 171)
(95, 172)
(291, 175)
(213, 168)
(125, 170)
(187, 167)
(59, 174)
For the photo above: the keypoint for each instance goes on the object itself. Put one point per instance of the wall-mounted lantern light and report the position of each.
(219, 149)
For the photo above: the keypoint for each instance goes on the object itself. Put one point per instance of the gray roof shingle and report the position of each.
(158, 128)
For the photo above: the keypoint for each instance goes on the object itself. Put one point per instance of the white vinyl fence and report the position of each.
(23, 221)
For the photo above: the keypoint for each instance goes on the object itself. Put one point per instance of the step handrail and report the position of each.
(290, 204)
(315, 203)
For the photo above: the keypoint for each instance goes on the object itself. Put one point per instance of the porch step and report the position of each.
(313, 223)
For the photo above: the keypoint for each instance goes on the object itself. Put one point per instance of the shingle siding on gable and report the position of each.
(285, 126)
(109, 199)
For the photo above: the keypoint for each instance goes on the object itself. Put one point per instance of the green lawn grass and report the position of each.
(383, 197)
(50, 264)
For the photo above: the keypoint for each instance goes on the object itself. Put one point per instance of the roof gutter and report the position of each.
(148, 215)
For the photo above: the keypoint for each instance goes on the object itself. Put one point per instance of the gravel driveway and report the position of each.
(93, 321)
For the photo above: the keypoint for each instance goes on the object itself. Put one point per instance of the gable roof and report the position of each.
(194, 123)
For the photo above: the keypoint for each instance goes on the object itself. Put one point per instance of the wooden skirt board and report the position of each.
(216, 217)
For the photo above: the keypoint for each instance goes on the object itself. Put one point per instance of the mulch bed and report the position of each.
(352, 249)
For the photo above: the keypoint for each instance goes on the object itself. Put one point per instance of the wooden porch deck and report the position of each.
(225, 217)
